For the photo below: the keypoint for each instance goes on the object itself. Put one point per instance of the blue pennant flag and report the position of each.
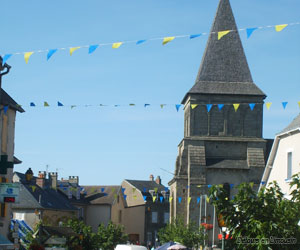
(145, 190)
(123, 190)
(125, 196)
(284, 104)
(102, 190)
(161, 199)
(194, 36)
(231, 185)
(145, 197)
(179, 199)
(92, 48)
(59, 104)
(263, 182)
(198, 200)
(65, 188)
(250, 31)
(251, 105)
(166, 189)
(5, 58)
(146, 104)
(140, 41)
(177, 106)
(187, 186)
(32, 104)
(5, 108)
(50, 53)
(220, 106)
(209, 186)
(208, 106)
(105, 194)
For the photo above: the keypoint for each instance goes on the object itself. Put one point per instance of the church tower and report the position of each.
(222, 143)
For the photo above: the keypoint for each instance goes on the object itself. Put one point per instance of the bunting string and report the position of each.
(116, 45)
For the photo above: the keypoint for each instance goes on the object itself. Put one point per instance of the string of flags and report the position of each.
(116, 45)
(209, 107)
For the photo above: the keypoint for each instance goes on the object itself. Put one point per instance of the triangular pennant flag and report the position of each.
(189, 199)
(208, 106)
(268, 105)
(5, 58)
(170, 199)
(146, 104)
(27, 55)
(113, 190)
(231, 185)
(123, 190)
(220, 106)
(92, 189)
(134, 197)
(73, 106)
(140, 41)
(155, 190)
(133, 190)
(194, 106)
(131, 104)
(125, 196)
(92, 48)
(299, 104)
(59, 104)
(199, 186)
(50, 53)
(166, 189)
(194, 36)
(179, 199)
(105, 194)
(33, 188)
(145, 197)
(251, 105)
(161, 199)
(284, 104)
(209, 186)
(73, 49)
(5, 108)
(250, 31)
(177, 107)
(222, 33)
(187, 186)
(207, 199)
(46, 104)
(263, 182)
(154, 198)
(251, 184)
(198, 200)
(116, 45)
(115, 195)
(168, 39)
(145, 190)
(280, 27)
(162, 105)
(32, 104)
(236, 106)
(102, 190)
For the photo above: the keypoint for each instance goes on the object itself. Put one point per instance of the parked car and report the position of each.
(130, 247)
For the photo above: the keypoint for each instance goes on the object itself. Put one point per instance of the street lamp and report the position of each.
(224, 229)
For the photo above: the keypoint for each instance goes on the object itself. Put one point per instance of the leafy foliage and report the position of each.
(188, 235)
(261, 216)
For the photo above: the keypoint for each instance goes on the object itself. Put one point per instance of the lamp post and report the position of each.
(223, 237)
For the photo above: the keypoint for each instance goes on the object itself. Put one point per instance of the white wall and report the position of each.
(97, 214)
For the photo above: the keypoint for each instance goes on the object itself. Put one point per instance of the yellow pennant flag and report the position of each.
(299, 104)
(199, 186)
(189, 199)
(168, 39)
(162, 105)
(133, 190)
(134, 197)
(115, 195)
(268, 105)
(27, 55)
(155, 189)
(73, 49)
(92, 189)
(46, 104)
(116, 45)
(207, 199)
(113, 190)
(236, 106)
(33, 188)
(194, 106)
(222, 33)
(154, 198)
(280, 27)
(170, 199)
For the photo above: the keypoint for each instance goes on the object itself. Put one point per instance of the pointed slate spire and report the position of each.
(224, 68)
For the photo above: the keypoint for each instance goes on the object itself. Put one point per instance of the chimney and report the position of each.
(158, 180)
(40, 180)
(151, 177)
(53, 179)
(74, 179)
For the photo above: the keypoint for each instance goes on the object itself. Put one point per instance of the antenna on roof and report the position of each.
(167, 171)
(47, 167)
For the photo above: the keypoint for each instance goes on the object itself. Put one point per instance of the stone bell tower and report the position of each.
(221, 144)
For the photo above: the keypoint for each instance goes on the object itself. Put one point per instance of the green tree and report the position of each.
(260, 217)
(189, 235)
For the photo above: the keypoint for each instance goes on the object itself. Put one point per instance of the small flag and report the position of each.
(168, 39)
(113, 190)
(179, 199)
(134, 197)
(207, 199)
(231, 185)
(92, 48)
(32, 104)
(50, 53)
(146, 104)
(250, 31)
(170, 199)
(166, 189)
(5, 108)
(284, 104)
(162, 105)
(161, 199)
(116, 45)
(73, 49)
(131, 104)
(140, 41)
(209, 186)
(155, 190)
(236, 106)
(268, 105)
(59, 104)
(251, 184)
(145, 198)
(194, 36)
(189, 199)
(123, 190)
(194, 106)
(208, 106)
(187, 186)
(251, 105)
(46, 104)
(220, 106)
(198, 200)
(115, 195)
(280, 27)
(263, 182)
(33, 188)
(222, 33)
(73, 106)
(199, 186)
(177, 106)
(5, 58)
(145, 190)
(299, 104)
(133, 190)
(154, 198)
(27, 55)
(102, 190)
(125, 196)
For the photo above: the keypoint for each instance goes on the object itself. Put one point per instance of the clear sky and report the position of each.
(104, 145)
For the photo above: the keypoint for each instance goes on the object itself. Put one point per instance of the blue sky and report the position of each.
(104, 145)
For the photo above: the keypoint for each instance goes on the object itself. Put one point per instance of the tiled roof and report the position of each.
(6, 100)
(293, 125)
(101, 194)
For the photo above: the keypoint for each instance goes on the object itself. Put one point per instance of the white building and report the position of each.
(284, 159)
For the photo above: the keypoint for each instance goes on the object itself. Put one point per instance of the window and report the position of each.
(154, 217)
(120, 216)
(166, 217)
(289, 165)
(149, 237)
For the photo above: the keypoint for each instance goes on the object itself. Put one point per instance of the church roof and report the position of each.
(224, 68)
